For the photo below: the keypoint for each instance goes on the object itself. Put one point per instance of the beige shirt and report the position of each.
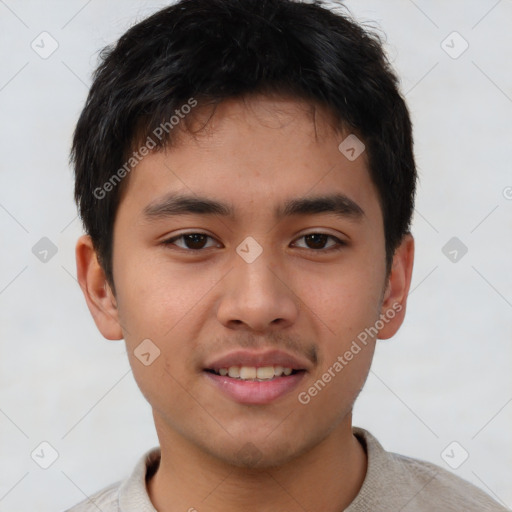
(392, 483)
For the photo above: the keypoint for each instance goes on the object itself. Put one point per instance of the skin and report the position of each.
(295, 296)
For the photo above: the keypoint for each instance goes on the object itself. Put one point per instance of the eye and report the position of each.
(317, 241)
(192, 241)
(198, 241)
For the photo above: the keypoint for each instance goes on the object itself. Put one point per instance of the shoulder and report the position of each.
(130, 495)
(395, 481)
(434, 484)
(106, 500)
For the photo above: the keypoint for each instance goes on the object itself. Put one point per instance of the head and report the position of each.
(227, 118)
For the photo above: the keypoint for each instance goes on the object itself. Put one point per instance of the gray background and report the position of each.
(446, 375)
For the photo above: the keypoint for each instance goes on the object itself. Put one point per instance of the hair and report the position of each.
(207, 51)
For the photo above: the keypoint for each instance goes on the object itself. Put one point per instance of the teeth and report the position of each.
(253, 373)
(265, 372)
(234, 371)
(248, 372)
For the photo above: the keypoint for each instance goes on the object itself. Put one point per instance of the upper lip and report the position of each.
(258, 359)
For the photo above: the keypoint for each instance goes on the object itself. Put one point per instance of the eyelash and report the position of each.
(340, 244)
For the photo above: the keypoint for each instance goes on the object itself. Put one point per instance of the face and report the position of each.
(254, 249)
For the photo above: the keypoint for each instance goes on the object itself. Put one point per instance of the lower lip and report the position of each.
(255, 392)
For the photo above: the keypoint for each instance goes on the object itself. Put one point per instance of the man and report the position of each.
(245, 175)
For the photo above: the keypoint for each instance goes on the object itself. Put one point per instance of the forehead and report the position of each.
(250, 153)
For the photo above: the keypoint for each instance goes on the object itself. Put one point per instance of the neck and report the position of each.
(327, 477)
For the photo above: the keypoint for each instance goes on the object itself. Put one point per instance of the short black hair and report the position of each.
(207, 51)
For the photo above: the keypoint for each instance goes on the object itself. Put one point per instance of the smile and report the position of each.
(253, 373)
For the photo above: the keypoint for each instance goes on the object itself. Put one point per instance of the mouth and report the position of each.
(253, 373)
(256, 378)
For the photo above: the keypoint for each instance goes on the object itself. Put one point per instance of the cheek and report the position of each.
(345, 353)
(346, 299)
(156, 298)
(345, 307)
(169, 306)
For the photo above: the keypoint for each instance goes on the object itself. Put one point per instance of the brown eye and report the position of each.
(195, 240)
(317, 242)
(191, 241)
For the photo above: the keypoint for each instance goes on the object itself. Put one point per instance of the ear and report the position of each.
(399, 281)
(98, 295)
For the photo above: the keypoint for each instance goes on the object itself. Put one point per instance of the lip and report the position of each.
(255, 392)
(258, 359)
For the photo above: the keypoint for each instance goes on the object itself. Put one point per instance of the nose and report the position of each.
(257, 296)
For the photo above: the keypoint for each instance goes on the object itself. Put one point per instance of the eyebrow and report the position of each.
(174, 204)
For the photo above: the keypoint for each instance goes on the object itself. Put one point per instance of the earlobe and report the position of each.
(395, 297)
(99, 297)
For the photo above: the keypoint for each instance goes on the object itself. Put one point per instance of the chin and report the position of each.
(253, 456)
(263, 453)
